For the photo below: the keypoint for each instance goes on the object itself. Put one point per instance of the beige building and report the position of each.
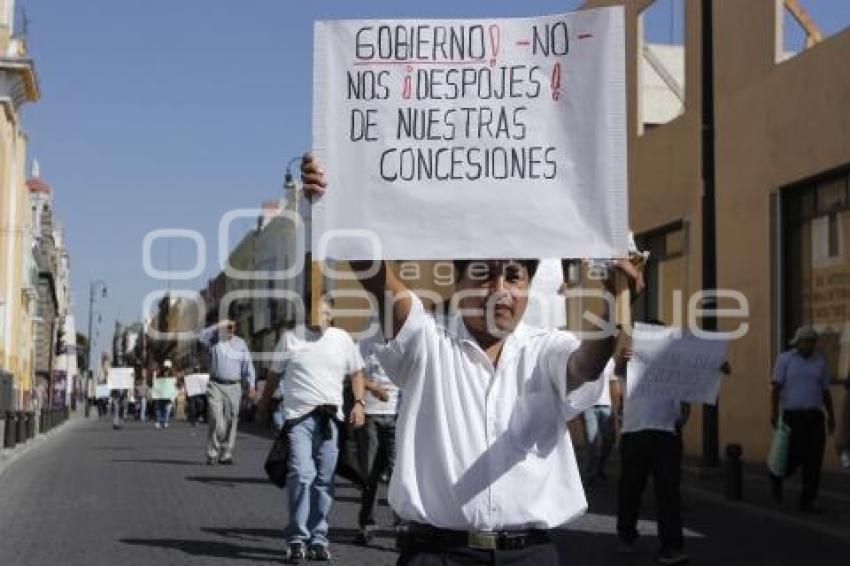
(782, 149)
(18, 85)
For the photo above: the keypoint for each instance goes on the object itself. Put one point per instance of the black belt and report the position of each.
(224, 381)
(428, 537)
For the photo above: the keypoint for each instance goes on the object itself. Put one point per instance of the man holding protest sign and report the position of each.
(486, 401)
(651, 445)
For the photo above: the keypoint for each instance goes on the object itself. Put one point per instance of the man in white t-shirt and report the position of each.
(311, 365)
(377, 439)
(651, 445)
(484, 464)
(600, 426)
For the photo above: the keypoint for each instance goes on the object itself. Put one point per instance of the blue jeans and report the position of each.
(601, 433)
(163, 407)
(313, 453)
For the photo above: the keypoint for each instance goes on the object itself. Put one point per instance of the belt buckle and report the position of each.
(482, 540)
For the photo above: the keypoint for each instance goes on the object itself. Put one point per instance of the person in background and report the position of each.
(600, 426)
(310, 366)
(801, 390)
(197, 406)
(163, 406)
(651, 445)
(842, 440)
(118, 404)
(142, 400)
(377, 438)
(231, 370)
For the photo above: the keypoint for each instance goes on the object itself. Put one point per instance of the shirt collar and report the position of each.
(456, 328)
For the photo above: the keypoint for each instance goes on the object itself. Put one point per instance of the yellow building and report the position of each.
(18, 85)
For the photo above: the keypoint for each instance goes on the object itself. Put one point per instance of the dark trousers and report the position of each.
(196, 408)
(658, 453)
(537, 555)
(377, 455)
(806, 446)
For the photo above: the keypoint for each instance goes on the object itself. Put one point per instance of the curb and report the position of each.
(8, 457)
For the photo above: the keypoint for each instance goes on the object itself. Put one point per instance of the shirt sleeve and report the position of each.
(355, 360)
(248, 375)
(554, 359)
(403, 356)
(207, 335)
(780, 370)
(281, 356)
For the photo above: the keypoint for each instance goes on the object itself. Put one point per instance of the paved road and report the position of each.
(91, 496)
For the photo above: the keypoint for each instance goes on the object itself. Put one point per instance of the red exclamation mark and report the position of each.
(556, 82)
(495, 37)
(407, 85)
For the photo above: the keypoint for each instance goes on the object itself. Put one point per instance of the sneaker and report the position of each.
(157, 425)
(211, 461)
(295, 553)
(226, 461)
(672, 556)
(319, 553)
(165, 425)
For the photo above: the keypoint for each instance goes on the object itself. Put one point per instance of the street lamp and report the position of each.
(289, 182)
(94, 286)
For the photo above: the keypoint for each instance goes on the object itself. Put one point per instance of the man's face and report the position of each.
(325, 315)
(494, 295)
(227, 331)
(806, 347)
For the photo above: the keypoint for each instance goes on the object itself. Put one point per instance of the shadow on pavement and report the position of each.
(160, 461)
(209, 549)
(227, 481)
(355, 499)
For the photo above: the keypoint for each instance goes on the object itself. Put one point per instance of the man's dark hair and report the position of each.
(461, 266)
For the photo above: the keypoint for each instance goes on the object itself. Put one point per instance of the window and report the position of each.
(815, 267)
(802, 24)
(661, 69)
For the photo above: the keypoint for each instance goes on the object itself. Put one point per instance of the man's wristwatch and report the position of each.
(360, 402)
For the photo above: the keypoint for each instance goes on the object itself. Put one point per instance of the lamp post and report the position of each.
(289, 182)
(93, 288)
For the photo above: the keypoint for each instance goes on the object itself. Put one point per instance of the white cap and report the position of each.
(166, 364)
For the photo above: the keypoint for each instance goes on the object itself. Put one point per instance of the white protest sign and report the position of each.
(492, 138)
(102, 392)
(196, 383)
(670, 365)
(121, 378)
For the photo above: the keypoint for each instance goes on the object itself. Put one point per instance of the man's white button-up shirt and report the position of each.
(482, 447)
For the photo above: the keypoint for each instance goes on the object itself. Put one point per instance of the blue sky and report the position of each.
(167, 114)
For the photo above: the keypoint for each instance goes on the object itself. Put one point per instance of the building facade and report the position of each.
(18, 86)
(781, 170)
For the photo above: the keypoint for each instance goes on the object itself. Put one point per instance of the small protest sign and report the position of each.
(670, 364)
(196, 384)
(121, 378)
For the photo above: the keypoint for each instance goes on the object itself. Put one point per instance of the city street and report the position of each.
(90, 495)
